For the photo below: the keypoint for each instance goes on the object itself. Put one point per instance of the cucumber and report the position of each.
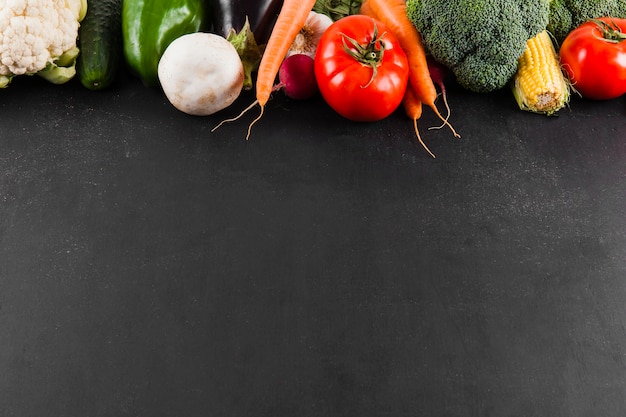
(100, 43)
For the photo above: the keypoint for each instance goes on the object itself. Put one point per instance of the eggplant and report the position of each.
(231, 14)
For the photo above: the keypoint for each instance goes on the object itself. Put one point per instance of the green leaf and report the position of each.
(249, 51)
(337, 9)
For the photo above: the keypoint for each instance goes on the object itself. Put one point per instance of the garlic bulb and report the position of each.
(309, 36)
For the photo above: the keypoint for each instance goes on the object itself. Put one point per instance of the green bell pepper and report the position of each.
(149, 26)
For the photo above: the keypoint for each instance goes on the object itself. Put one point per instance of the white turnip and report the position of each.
(201, 73)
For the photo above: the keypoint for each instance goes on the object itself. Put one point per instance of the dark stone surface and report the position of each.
(151, 267)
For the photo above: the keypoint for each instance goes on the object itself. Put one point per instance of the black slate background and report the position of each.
(151, 267)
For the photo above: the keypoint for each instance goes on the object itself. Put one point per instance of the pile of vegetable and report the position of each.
(365, 58)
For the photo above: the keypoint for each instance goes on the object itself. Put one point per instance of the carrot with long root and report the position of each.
(413, 108)
(290, 20)
(438, 74)
(393, 14)
(411, 103)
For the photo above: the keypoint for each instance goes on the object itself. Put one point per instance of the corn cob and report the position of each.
(539, 85)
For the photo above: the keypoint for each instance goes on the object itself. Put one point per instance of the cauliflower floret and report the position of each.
(35, 33)
(78, 7)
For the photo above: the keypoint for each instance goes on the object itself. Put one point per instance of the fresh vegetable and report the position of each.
(232, 15)
(337, 9)
(594, 58)
(361, 69)
(394, 15)
(201, 73)
(248, 50)
(411, 102)
(439, 73)
(413, 109)
(291, 19)
(539, 85)
(566, 15)
(297, 77)
(100, 44)
(560, 20)
(148, 27)
(39, 37)
(479, 41)
(366, 9)
(309, 36)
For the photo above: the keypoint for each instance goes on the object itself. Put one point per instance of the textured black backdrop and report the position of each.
(152, 268)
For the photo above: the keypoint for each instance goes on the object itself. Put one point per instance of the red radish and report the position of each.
(289, 22)
(297, 77)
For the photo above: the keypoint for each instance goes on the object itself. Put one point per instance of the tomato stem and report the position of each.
(370, 54)
(610, 31)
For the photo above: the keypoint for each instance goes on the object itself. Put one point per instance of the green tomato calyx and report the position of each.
(610, 31)
(370, 54)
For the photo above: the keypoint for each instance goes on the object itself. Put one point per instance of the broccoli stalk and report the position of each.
(480, 41)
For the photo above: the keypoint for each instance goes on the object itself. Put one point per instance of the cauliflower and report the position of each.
(39, 37)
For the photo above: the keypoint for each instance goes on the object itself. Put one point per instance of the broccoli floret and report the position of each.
(480, 41)
(566, 15)
(583, 10)
(560, 23)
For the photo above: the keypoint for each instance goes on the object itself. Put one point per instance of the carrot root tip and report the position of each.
(254, 121)
(234, 119)
(445, 121)
(448, 112)
(419, 138)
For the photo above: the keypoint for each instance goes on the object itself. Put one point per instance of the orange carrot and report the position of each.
(289, 22)
(413, 108)
(411, 103)
(393, 14)
(366, 10)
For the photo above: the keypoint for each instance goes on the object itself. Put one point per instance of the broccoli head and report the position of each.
(560, 22)
(566, 15)
(480, 41)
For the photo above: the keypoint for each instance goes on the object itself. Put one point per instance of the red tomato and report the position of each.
(360, 68)
(594, 57)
